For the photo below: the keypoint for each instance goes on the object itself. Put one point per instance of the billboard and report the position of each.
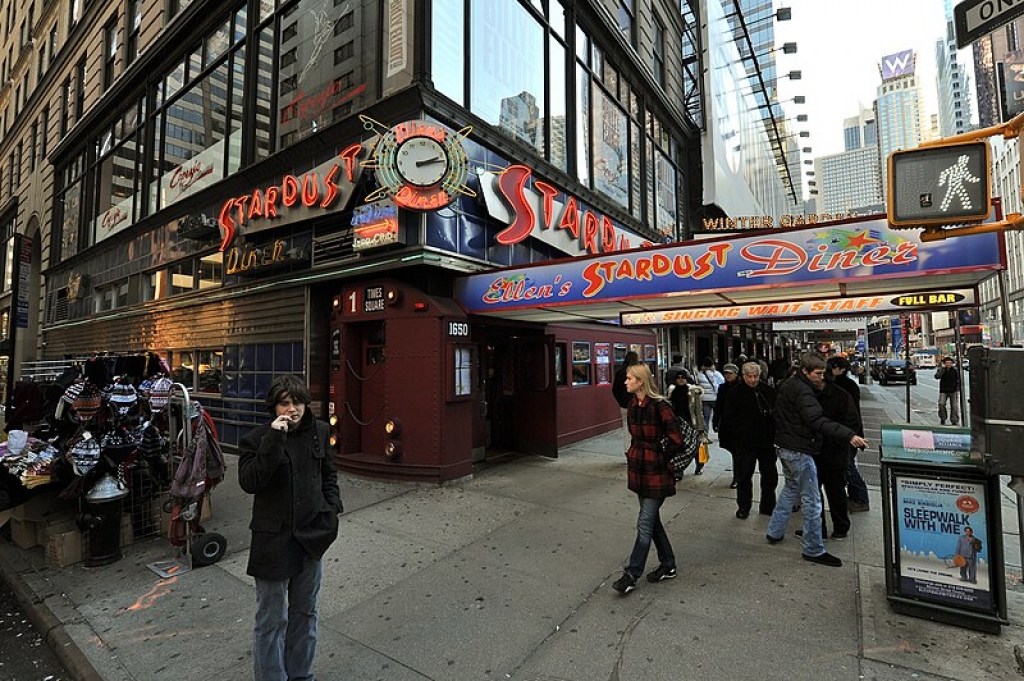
(897, 65)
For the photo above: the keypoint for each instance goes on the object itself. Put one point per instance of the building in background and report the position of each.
(851, 180)
(952, 83)
(897, 108)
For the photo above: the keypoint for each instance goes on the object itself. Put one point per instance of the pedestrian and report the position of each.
(857, 500)
(731, 373)
(949, 391)
(709, 379)
(621, 395)
(968, 547)
(834, 460)
(287, 467)
(748, 418)
(800, 425)
(670, 373)
(649, 477)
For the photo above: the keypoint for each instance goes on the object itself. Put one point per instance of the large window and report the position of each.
(109, 52)
(132, 26)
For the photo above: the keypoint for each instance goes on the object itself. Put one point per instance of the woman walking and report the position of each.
(649, 477)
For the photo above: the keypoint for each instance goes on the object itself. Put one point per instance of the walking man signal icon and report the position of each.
(953, 179)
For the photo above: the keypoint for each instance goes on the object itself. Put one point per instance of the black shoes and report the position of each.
(733, 484)
(625, 583)
(824, 559)
(742, 515)
(661, 574)
(773, 540)
(839, 535)
(857, 507)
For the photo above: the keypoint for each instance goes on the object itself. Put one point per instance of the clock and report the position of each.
(421, 161)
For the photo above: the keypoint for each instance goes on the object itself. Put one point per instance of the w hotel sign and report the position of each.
(899, 64)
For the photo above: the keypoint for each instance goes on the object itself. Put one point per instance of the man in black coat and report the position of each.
(622, 395)
(949, 391)
(747, 416)
(857, 490)
(834, 460)
(286, 465)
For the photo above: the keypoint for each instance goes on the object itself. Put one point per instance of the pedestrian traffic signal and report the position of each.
(943, 184)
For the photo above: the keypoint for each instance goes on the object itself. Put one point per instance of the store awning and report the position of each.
(837, 261)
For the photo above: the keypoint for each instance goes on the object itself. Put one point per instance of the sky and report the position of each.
(839, 48)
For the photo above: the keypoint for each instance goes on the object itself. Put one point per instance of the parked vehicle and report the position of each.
(924, 360)
(874, 367)
(897, 370)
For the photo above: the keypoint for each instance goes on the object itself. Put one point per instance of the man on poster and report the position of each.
(966, 555)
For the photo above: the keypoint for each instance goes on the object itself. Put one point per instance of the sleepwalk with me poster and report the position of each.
(943, 540)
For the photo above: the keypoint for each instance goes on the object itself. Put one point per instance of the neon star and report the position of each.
(860, 241)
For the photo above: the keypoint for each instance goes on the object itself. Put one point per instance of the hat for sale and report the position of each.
(122, 398)
(84, 454)
(88, 402)
(73, 391)
(730, 369)
(118, 444)
(160, 393)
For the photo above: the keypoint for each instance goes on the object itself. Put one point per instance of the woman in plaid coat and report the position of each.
(650, 417)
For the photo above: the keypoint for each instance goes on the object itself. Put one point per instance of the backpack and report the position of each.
(679, 457)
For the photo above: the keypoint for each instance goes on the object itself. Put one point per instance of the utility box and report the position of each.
(997, 410)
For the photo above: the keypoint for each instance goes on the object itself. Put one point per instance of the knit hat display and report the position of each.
(160, 393)
(84, 454)
(118, 444)
(88, 402)
(122, 398)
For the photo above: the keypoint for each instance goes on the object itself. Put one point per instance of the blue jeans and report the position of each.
(648, 528)
(284, 639)
(856, 488)
(801, 483)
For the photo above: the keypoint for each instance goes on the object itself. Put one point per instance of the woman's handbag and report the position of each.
(682, 456)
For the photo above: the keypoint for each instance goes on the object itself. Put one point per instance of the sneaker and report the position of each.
(661, 574)
(857, 507)
(839, 535)
(733, 484)
(625, 583)
(824, 559)
(742, 515)
(773, 540)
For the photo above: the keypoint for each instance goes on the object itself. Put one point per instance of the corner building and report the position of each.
(257, 187)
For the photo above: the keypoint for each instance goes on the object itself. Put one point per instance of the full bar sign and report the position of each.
(975, 18)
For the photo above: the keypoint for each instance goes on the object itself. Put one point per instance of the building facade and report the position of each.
(897, 108)
(255, 187)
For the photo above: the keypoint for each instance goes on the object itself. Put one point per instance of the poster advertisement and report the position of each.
(602, 355)
(943, 538)
(926, 443)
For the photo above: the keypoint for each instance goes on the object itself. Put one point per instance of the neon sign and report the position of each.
(293, 192)
(374, 225)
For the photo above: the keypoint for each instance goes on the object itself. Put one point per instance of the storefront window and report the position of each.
(182, 277)
(463, 369)
(582, 125)
(561, 364)
(115, 191)
(611, 149)
(559, 115)
(264, 93)
(507, 73)
(211, 270)
(580, 363)
(447, 46)
(666, 213)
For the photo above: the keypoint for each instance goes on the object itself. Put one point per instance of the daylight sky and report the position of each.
(839, 48)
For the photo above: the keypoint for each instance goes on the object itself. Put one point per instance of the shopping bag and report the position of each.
(703, 454)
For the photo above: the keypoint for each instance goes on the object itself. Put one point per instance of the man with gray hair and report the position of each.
(800, 428)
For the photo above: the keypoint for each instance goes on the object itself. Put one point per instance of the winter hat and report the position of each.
(122, 398)
(730, 369)
(84, 454)
(160, 393)
(118, 444)
(88, 402)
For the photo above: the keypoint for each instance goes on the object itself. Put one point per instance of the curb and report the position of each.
(64, 647)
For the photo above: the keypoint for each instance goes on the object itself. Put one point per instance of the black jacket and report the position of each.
(850, 386)
(297, 501)
(800, 423)
(747, 420)
(949, 379)
(622, 395)
(838, 405)
(720, 400)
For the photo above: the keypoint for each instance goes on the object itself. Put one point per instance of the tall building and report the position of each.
(850, 182)
(990, 54)
(952, 84)
(897, 108)
(861, 130)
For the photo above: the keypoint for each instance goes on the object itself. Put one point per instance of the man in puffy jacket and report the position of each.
(800, 429)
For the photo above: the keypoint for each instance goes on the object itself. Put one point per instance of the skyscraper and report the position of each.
(851, 180)
(952, 83)
(897, 108)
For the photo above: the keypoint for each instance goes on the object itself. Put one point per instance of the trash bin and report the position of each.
(101, 521)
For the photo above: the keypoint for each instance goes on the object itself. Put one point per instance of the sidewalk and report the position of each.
(509, 576)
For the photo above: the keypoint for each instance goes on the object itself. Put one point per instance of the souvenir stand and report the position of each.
(102, 456)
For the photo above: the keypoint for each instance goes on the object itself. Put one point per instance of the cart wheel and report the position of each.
(208, 548)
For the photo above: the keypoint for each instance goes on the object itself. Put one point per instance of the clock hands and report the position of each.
(428, 161)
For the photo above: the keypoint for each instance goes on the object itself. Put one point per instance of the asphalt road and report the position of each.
(24, 655)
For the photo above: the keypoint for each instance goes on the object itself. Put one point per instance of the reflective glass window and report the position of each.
(448, 47)
(507, 73)
(611, 149)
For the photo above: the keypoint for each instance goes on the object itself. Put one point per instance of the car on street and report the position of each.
(875, 365)
(897, 370)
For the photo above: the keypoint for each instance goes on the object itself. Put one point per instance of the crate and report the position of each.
(64, 548)
(42, 506)
(24, 533)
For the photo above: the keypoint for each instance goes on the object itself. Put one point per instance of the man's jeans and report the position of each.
(284, 640)
(801, 484)
(954, 407)
(648, 528)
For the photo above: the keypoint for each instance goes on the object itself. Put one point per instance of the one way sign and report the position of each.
(975, 18)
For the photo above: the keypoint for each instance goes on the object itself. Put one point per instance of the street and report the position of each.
(24, 655)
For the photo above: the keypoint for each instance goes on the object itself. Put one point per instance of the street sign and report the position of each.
(975, 18)
(946, 184)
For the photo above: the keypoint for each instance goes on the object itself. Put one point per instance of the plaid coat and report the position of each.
(649, 475)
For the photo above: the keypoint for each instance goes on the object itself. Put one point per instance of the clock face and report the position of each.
(421, 161)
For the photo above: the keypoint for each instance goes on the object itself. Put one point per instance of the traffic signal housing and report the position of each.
(942, 184)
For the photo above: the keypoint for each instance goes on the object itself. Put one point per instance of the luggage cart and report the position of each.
(195, 547)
